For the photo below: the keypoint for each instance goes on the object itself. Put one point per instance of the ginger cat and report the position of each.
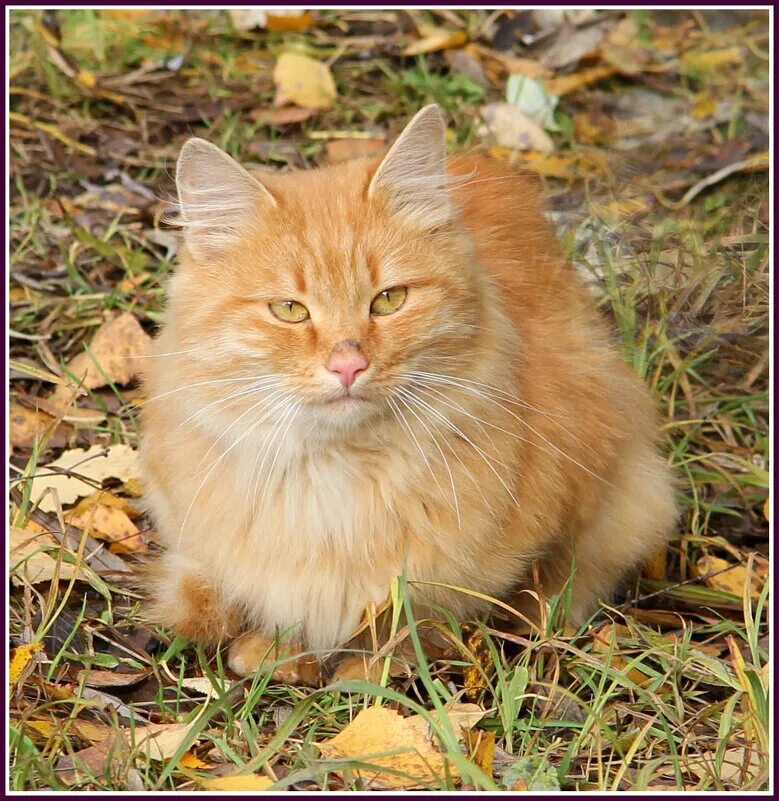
(380, 366)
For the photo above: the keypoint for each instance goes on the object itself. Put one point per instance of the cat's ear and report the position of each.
(412, 177)
(216, 197)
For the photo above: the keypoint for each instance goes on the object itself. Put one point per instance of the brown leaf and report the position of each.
(511, 128)
(115, 348)
(303, 81)
(28, 426)
(572, 45)
(565, 84)
(112, 678)
(345, 149)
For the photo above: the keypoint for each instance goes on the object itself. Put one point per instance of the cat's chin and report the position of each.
(345, 411)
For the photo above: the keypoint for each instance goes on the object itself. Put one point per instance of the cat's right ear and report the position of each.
(216, 197)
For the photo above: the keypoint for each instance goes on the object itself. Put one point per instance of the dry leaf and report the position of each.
(571, 46)
(34, 567)
(279, 19)
(303, 81)
(112, 678)
(160, 741)
(118, 461)
(250, 781)
(483, 751)
(511, 128)
(20, 660)
(377, 730)
(767, 509)
(280, 116)
(605, 640)
(436, 39)
(344, 149)
(731, 580)
(27, 426)
(711, 61)
(93, 732)
(108, 522)
(194, 762)
(116, 348)
(570, 165)
(622, 48)
(566, 84)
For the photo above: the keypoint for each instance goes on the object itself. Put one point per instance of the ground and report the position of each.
(649, 130)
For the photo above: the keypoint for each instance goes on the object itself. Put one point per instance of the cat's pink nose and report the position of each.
(347, 359)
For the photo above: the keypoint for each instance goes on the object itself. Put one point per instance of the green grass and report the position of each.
(674, 694)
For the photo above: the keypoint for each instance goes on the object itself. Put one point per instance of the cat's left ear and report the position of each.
(217, 196)
(412, 177)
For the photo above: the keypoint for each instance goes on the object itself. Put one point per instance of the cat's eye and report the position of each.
(289, 311)
(389, 301)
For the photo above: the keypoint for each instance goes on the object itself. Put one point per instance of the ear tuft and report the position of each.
(216, 197)
(413, 177)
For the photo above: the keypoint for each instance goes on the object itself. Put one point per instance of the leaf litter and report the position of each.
(649, 130)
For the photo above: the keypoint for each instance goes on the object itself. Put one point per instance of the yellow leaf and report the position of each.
(655, 567)
(731, 580)
(566, 84)
(189, 760)
(86, 78)
(767, 509)
(96, 463)
(712, 60)
(437, 39)
(605, 641)
(377, 730)
(303, 81)
(569, 165)
(474, 675)
(290, 21)
(250, 781)
(704, 106)
(19, 661)
(110, 523)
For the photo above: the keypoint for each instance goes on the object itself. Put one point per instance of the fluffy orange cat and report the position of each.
(383, 366)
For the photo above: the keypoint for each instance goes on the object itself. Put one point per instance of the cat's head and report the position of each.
(328, 286)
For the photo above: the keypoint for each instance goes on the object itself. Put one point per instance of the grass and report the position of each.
(666, 689)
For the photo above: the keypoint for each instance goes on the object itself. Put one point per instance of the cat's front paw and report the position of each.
(257, 651)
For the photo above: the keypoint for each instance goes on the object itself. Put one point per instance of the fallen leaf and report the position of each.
(247, 781)
(570, 165)
(93, 732)
(462, 717)
(512, 129)
(160, 741)
(655, 568)
(436, 39)
(474, 675)
(20, 660)
(304, 82)
(483, 752)
(280, 116)
(731, 580)
(531, 97)
(565, 84)
(278, 19)
(194, 762)
(345, 149)
(27, 565)
(96, 463)
(28, 426)
(377, 730)
(571, 46)
(110, 523)
(622, 49)
(710, 61)
(767, 509)
(112, 678)
(113, 357)
(605, 641)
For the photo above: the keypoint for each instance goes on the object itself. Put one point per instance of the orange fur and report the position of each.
(521, 436)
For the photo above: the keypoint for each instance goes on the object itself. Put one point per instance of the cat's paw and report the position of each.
(257, 651)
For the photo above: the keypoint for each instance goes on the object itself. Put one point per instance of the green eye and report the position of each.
(389, 301)
(290, 311)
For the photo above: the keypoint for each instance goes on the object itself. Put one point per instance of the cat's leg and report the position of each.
(635, 519)
(183, 599)
(256, 650)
